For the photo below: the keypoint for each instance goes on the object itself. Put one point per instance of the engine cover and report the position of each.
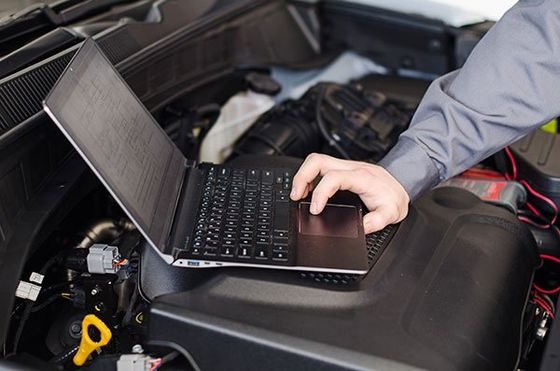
(448, 293)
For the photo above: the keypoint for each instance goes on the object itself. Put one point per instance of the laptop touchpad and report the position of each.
(334, 221)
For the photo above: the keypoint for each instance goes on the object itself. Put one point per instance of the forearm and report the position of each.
(508, 86)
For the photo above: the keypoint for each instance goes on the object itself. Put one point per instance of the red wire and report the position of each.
(533, 209)
(513, 163)
(546, 303)
(541, 301)
(532, 191)
(544, 306)
(545, 291)
(550, 257)
(543, 198)
(535, 224)
(527, 220)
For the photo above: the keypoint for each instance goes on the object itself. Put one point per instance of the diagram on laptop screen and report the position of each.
(117, 135)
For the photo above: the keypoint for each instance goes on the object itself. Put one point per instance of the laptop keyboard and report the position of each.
(243, 216)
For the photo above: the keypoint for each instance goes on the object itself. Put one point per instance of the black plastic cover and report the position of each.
(537, 155)
(448, 293)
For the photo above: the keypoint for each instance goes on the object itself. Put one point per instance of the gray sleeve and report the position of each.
(509, 85)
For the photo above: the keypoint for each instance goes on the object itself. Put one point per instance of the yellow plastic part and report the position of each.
(87, 345)
(551, 126)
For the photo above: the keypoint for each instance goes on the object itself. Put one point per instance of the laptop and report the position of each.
(196, 215)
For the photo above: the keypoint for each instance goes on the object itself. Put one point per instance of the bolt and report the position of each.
(75, 329)
(137, 349)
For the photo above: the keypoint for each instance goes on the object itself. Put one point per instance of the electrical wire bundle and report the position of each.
(540, 212)
(536, 216)
(541, 219)
(544, 302)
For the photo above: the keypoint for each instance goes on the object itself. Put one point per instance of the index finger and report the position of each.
(314, 165)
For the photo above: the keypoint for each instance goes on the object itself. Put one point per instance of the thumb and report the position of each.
(378, 219)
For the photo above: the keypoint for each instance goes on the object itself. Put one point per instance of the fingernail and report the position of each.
(293, 193)
(314, 208)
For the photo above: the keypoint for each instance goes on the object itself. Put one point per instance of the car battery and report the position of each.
(508, 194)
(538, 162)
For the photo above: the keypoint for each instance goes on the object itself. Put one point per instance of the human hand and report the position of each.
(382, 194)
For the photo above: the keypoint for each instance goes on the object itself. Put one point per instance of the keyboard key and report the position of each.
(250, 204)
(280, 234)
(229, 243)
(210, 252)
(247, 223)
(210, 244)
(249, 210)
(244, 251)
(261, 253)
(267, 177)
(263, 240)
(246, 235)
(279, 247)
(279, 255)
(253, 174)
(226, 251)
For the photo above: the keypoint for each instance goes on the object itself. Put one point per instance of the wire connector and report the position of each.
(101, 259)
(28, 290)
(135, 362)
(36, 277)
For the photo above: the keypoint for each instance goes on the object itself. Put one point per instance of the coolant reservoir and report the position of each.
(237, 115)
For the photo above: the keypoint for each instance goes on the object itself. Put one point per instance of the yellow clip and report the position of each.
(551, 126)
(87, 345)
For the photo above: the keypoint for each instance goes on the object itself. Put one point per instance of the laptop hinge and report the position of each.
(185, 209)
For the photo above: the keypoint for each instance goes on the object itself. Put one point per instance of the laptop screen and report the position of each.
(119, 139)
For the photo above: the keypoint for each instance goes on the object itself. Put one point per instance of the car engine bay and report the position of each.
(469, 280)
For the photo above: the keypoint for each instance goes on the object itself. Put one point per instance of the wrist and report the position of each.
(411, 167)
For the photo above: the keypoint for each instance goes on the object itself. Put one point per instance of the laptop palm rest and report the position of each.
(335, 237)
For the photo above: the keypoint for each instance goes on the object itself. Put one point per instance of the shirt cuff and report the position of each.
(412, 167)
